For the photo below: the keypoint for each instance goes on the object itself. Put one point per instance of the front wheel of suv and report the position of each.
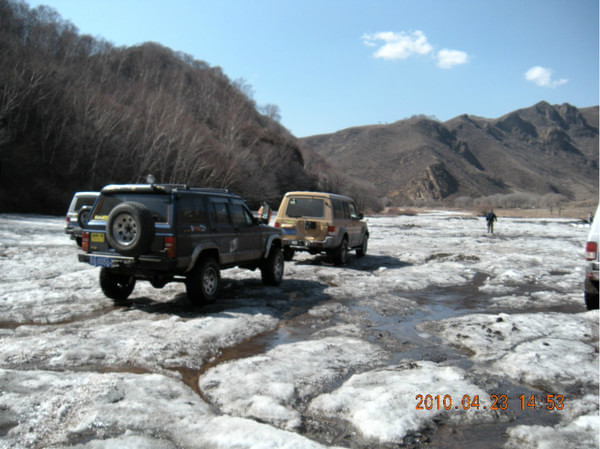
(272, 268)
(203, 284)
(116, 286)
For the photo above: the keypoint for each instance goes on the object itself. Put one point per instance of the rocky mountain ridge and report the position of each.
(540, 150)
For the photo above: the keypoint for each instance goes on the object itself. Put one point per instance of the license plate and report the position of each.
(97, 237)
(99, 261)
(289, 231)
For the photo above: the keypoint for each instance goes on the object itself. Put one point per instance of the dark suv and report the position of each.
(164, 233)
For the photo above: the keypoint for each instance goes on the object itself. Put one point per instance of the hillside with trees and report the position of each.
(77, 113)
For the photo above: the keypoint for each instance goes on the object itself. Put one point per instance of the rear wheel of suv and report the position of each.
(362, 251)
(272, 268)
(130, 229)
(591, 295)
(203, 284)
(116, 286)
(340, 254)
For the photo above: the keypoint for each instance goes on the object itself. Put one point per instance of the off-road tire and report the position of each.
(591, 295)
(130, 229)
(362, 251)
(203, 283)
(116, 286)
(340, 254)
(273, 266)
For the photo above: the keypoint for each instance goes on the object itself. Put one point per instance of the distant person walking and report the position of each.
(491, 218)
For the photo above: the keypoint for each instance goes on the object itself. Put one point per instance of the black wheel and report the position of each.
(116, 286)
(362, 251)
(272, 268)
(340, 255)
(130, 229)
(288, 253)
(591, 295)
(83, 216)
(203, 284)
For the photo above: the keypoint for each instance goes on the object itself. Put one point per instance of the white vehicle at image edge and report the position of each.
(78, 213)
(592, 262)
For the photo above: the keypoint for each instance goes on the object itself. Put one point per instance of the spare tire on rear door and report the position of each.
(130, 229)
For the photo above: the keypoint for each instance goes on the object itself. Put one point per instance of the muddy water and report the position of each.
(399, 336)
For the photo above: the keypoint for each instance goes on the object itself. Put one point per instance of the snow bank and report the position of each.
(579, 429)
(266, 387)
(132, 338)
(382, 404)
(121, 410)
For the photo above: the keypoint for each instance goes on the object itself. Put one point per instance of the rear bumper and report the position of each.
(310, 245)
(130, 265)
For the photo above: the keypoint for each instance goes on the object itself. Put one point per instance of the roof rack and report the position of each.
(149, 188)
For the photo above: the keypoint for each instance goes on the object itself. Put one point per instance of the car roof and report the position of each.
(320, 195)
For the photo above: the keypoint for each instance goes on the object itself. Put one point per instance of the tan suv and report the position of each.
(321, 222)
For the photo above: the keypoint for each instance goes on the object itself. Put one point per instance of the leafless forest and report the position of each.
(77, 112)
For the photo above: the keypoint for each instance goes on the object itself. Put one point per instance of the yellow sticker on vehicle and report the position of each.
(97, 237)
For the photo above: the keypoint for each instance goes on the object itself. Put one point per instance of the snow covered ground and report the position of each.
(443, 336)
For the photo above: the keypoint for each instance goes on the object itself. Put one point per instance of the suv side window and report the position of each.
(219, 213)
(240, 215)
(338, 209)
(353, 213)
(192, 210)
(346, 210)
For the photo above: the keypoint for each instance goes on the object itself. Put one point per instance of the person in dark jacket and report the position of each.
(491, 218)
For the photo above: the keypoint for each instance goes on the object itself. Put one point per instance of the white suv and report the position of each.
(591, 267)
(78, 213)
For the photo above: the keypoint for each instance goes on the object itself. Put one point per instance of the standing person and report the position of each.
(491, 218)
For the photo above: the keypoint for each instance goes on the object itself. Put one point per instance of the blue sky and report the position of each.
(333, 64)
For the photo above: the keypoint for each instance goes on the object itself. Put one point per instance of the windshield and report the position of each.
(158, 204)
(305, 207)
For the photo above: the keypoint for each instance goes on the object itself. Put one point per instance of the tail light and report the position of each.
(85, 241)
(331, 230)
(277, 224)
(170, 244)
(591, 251)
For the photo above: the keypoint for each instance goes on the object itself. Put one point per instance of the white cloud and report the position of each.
(542, 76)
(402, 45)
(398, 45)
(449, 58)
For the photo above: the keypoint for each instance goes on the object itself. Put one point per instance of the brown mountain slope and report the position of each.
(542, 149)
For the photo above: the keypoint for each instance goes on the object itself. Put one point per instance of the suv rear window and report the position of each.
(305, 207)
(81, 201)
(158, 204)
